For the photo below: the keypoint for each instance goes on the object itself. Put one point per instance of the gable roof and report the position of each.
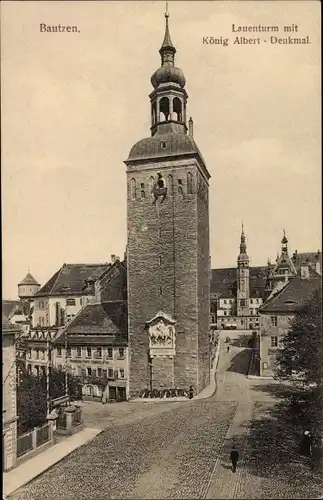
(28, 280)
(224, 281)
(105, 322)
(308, 257)
(293, 296)
(70, 279)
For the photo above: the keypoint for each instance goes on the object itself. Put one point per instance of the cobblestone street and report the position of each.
(178, 450)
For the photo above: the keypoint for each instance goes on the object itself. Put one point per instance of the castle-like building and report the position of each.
(238, 293)
(168, 243)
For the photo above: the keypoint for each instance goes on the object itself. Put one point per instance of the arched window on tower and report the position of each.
(133, 188)
(170, 185)
(154, 114)
(189, 183)
(177, 109)
(164, 109)
(142, 192)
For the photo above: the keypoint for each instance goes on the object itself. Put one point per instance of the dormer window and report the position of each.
(163, 144)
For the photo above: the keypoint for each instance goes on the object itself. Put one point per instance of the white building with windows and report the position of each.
(94, 347)
(277, 313)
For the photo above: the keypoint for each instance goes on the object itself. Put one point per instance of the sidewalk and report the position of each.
(35, 466)
(224, 483)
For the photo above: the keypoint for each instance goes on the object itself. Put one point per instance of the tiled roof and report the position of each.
(71, 279)
(29, 280)
(309, 257)
(7, 326)
(224, 281)
(8, 306)
(293, 296)
(108, 319)
(162, 145)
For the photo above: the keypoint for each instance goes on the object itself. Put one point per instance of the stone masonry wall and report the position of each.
(203, 253)
(162, 373)
(163, 274)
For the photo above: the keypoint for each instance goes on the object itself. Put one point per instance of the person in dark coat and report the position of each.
(306, 444)
(228, 348)
(191, 393)
(234, 456)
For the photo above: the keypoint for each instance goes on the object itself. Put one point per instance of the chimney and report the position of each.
(305, 273)
(113, 259)
(286, 276)
(97, 293)
(190, 127)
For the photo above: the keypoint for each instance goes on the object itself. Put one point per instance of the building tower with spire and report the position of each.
(168, 243)
(243, 290)
(284, 270)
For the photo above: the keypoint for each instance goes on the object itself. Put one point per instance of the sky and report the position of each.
(73, 105)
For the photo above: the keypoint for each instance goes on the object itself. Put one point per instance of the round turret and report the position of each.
(28, 287)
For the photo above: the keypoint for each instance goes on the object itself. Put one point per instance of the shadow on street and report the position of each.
(240, 362)
(273, 446)
(242, 341)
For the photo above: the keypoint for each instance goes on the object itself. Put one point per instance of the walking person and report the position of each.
(234, 457)
(306, 444)
(228, 348)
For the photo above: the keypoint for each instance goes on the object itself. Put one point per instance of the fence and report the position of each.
(33, 439)
(24, 444)
(42, 435)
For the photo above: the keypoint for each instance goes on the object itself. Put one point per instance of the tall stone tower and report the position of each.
(168, 243)
(243, 291)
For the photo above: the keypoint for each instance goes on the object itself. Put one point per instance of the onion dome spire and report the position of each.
(243, 246)
(284, 243)
(168, 73)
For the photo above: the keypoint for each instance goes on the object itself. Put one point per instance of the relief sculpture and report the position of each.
(161, 335)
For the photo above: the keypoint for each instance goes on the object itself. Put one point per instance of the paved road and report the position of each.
(173, 450)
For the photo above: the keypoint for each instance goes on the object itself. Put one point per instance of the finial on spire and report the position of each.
(167, 43)
(166, 11)
(28, 269)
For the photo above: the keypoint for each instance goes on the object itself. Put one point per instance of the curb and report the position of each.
(185, 399)
(259, 377)
(7, 495)
(159, 400)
